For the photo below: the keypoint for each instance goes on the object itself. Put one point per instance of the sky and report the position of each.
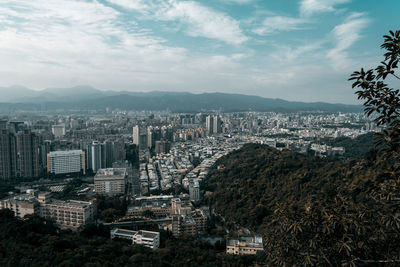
(302, 50)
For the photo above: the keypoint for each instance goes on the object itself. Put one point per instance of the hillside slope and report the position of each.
(310, 210)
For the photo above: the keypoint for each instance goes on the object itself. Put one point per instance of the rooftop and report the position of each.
(20, 198)
(123, 231)
(148, 234)
(119, 173)
(251, 241)
(66, 153)
(74, 203)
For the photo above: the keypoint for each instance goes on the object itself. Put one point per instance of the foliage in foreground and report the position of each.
(379, 98)
(324, 213)
(310, 210)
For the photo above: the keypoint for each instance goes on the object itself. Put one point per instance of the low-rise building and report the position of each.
(111, 181)
(21, 205)
(145, 238)
(244, 245)
(158, 211)
(66, 214)
(69, 213)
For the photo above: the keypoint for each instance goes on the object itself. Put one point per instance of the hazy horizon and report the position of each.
(162, 91)
(301, 50)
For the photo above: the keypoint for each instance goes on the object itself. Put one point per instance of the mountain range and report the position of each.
(89, 98)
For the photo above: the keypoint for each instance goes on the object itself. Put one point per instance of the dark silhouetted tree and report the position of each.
(379, 98)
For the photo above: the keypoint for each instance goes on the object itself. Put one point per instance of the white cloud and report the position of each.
(196, 19)
(82, 40)
(310, 7)
(345, 35)
(67, 42)
(204, 22)
(279, 23)
(240, 2)
(43, 45)
(131, 4)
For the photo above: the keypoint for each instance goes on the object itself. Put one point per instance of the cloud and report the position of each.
(204, 22)
(43, 45)
(279, 23)
(81, 40)
(240, 2)
(196, 19)
(131, 4)
(110, 46)
(310, 7)
(346, 35)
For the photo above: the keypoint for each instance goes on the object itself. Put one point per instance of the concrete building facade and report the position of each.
(64, 162)
(8, 153)
(21, 205)
(148, 239)
(194, 190)
(244, 245)
(68, 214)
(111, 181)
(27, 154)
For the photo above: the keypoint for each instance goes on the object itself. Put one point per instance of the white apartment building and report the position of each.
(145, 238)
(244, 245)
(69, 213)
(111, 181)
(63, 162)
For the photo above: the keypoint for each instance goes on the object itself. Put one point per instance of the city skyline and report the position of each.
(301, 50)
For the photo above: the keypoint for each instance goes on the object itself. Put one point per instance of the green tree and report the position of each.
(379, 98)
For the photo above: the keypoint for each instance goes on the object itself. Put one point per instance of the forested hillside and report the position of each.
(354, 148)
(310, 210)
(37, 242)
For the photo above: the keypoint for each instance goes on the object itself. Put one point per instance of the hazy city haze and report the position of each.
(295, 50)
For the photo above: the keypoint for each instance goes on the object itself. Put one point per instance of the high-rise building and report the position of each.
(210, 124)
(109, 149)
(136, 134)
(27, 154)
(8, 154)
(217, 124)
(140, 136)
(44, 149)
(16, 126)
(64, 162)
(150, 137)
(162, 147)
(3, 124)
(114, 151)
(95, 156)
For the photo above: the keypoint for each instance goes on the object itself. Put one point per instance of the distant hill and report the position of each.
(86, 97)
